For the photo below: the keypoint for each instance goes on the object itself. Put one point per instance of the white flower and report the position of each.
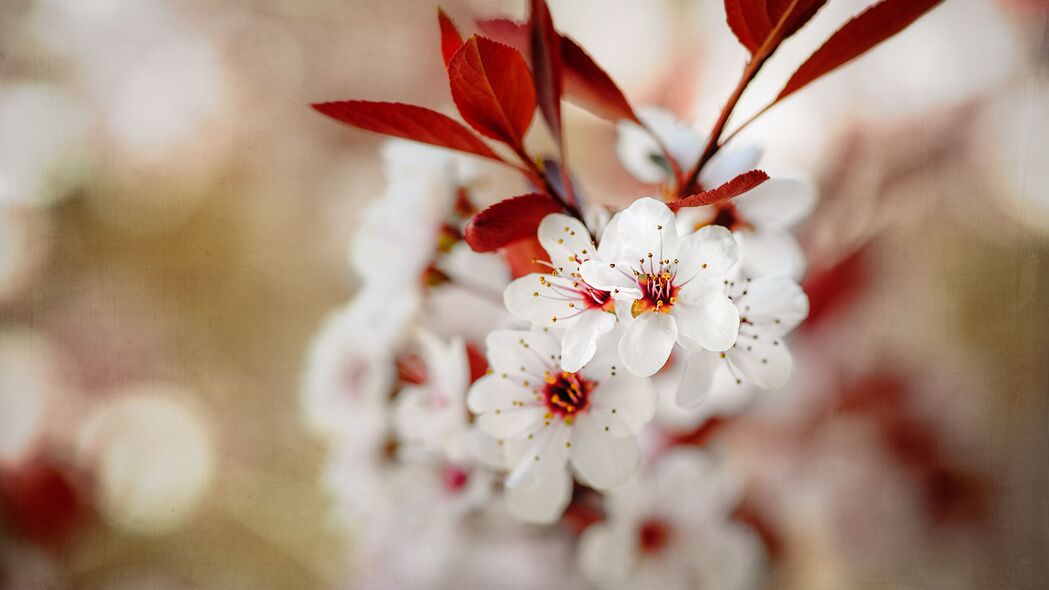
(561, 298)
(769, 308)
(351, 361)
(431, 416)
(671, 530)
(760, 219)
(674, 284)
(549, 418)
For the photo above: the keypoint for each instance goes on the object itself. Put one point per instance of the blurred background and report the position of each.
(174, 225)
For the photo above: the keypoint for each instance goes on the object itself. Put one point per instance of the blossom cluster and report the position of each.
(525, 359)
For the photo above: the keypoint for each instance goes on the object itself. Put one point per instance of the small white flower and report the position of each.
(549, 418)
(561, 298)
(431, 416)
(640, 154)
(769, 308)
(672, 530)
(674, 285)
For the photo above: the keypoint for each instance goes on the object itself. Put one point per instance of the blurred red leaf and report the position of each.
(493, 89)
(856, 37)
(451, 40)
(524, 257)
(508, 221)
(731, 189)
(40, 502)
(585, 82)
(591, 86)
(407, 121)
(754, 22)
(546, 65)
(749, 22)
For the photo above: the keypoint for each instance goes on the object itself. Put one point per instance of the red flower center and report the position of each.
(653, 536)
(567, 394)
(658, 292)
(728, 217)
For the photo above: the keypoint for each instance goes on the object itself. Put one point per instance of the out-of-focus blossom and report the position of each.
(673, 284)
(33, 391)
(153, 457)
(431, 414)
(760, 219)
(769, 309)
(672, 529)
(43, 143)
(562, 299)
(549, 417)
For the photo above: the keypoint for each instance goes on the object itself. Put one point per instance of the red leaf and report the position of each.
(748, 21)
(451, 40)
(546, 65)
(801, 13)
(507, 31)
(856, 37)
(585, 82)
(493, 89)
(407, 121)
(509, 220)
(591, 86)
(754, 21)
(731, 189)
(524, 257)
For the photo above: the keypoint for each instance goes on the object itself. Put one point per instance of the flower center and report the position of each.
(658, 292)
(455, 478)
(567, 394)
(728, 217)
(653, 536)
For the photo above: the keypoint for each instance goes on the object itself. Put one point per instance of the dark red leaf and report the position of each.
(546, 66)
(451, 40)
(731, 189)
(509, 220)
(748, 21)
(493, 89)
(407, 121)
(796, 17)
(585, 82)
(754, 21)
(856, 37)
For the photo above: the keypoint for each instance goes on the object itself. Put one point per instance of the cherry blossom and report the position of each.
(672, 529)
(674, 285)
(550, 418)
(769, 309)
(562, 298)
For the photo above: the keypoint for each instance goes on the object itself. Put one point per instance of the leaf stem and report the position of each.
(757, 60)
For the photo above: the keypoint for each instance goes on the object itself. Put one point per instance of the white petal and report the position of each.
(697, 378)
(539, 298)
(511, 422)
(727, 165)
(770, 251)
(613, 277)
(565, 239)
(495, 392)
(579, 342)
(708, 318)
(544, 499)
(776, 305)
(517, 352)
(778, 202)
(607, 552)
(710, 251)
(624, 403)
(609, 245)
(647, 342)
(646, 227)
(762, 359)
(601, 459)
